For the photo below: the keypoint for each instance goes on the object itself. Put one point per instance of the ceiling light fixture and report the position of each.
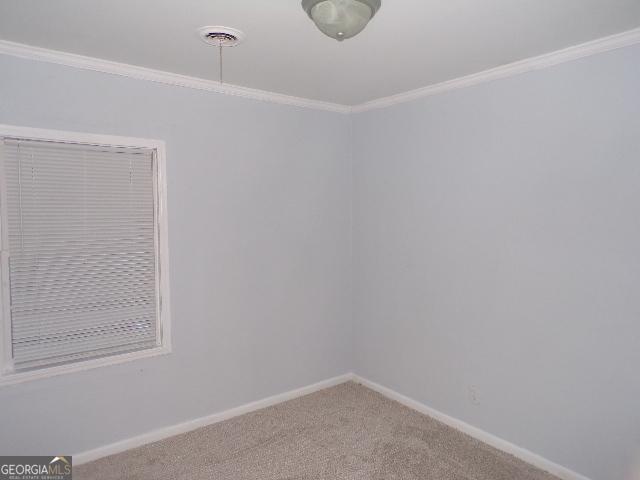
(341, 19)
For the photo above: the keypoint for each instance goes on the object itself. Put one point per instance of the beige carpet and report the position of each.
(346, 432)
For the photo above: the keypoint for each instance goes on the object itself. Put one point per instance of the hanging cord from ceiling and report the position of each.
(221, 37)
(220, 48)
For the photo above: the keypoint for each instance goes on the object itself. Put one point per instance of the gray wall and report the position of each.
(497, 245)
(260, 255)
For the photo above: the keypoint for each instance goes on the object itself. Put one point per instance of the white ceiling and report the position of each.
(409, 44)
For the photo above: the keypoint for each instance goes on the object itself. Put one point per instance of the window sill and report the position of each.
(19, 377)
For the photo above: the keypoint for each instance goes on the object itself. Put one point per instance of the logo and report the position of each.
(35, 468)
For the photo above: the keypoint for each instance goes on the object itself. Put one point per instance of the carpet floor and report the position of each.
(347, 432)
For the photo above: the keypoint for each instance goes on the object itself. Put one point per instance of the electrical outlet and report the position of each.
(474, 395)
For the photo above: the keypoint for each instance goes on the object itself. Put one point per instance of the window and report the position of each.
(84, 251)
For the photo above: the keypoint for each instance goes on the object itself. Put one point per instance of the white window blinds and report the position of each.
(81, 247)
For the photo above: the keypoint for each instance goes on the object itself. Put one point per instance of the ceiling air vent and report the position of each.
(221, 36)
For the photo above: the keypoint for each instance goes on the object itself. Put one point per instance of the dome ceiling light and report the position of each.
(341, 19)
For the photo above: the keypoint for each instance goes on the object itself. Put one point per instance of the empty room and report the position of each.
(320, 239)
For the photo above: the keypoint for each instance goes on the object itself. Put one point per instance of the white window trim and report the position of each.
(8, 377)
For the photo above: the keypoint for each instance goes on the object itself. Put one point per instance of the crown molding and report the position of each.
(569, 54)
(141, 73)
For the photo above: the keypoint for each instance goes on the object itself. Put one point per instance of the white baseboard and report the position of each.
(172, 430)
(508, 447)
(162, 433)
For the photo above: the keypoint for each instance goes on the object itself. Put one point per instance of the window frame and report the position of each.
(7, 375)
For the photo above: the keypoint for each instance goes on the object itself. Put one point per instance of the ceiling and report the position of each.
(409, 44)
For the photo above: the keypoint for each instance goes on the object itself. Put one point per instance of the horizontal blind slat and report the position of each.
(77, 301)
(27, 353)
(116, 325)
(95, 353)
(65, 321)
